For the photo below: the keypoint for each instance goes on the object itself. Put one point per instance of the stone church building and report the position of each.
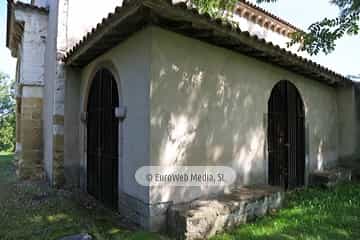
(105, 88)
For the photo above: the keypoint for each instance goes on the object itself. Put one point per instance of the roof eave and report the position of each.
(203, 28)
(106, 26)
(9, 19)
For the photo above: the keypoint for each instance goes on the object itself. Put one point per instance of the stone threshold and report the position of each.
(331, 177)
(203, 218)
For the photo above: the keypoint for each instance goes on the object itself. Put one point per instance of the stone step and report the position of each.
(204, 218)
(331, 177)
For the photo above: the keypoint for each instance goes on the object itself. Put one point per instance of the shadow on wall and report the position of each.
(210, 115)
(200, 117)
(322, 123)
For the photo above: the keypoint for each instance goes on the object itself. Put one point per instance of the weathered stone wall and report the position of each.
(54, 92)
(17, 113)
(58, 155)
(58, 127)
(30, 165)
(49, 88)
(18, 132)
(32, 47)
(62, 31)
(205, 217)
(30, 79)
(59, 95)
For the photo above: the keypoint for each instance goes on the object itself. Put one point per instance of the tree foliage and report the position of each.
(7, 114)
(320, 36)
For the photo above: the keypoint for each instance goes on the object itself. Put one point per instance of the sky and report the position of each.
(7, 63)
(346, 57)
(301, 13)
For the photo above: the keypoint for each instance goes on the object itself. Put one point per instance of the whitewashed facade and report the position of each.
(188, 100)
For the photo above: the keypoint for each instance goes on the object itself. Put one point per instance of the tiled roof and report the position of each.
(270, 15)
(136, 14)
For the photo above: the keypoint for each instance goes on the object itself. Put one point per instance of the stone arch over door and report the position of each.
(286, 136)
(103, 137)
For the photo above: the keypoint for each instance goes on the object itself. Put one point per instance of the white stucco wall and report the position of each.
(131, 60)
(49, 89)
(32, 47)
(72, 126)
(349, 131)
(209, 105)
(41, 3)
(347, 119)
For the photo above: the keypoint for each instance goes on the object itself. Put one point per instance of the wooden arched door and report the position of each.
(286, 137)
(102, 139)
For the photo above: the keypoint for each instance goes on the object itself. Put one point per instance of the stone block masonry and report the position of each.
(58, 127)
(149, 216)
(58, 151)
(30, 163)
(331, 177)
(204, 218)
(18, 132)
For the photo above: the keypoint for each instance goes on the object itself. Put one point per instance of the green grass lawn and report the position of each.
(30, 211)
(311, 214)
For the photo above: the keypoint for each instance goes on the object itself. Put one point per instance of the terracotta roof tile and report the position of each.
(270, 15)
(265, 50)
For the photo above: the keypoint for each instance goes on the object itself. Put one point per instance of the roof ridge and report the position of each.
(270, 14)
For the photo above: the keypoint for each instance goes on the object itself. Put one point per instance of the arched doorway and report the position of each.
(102, 139)
(286, 137)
